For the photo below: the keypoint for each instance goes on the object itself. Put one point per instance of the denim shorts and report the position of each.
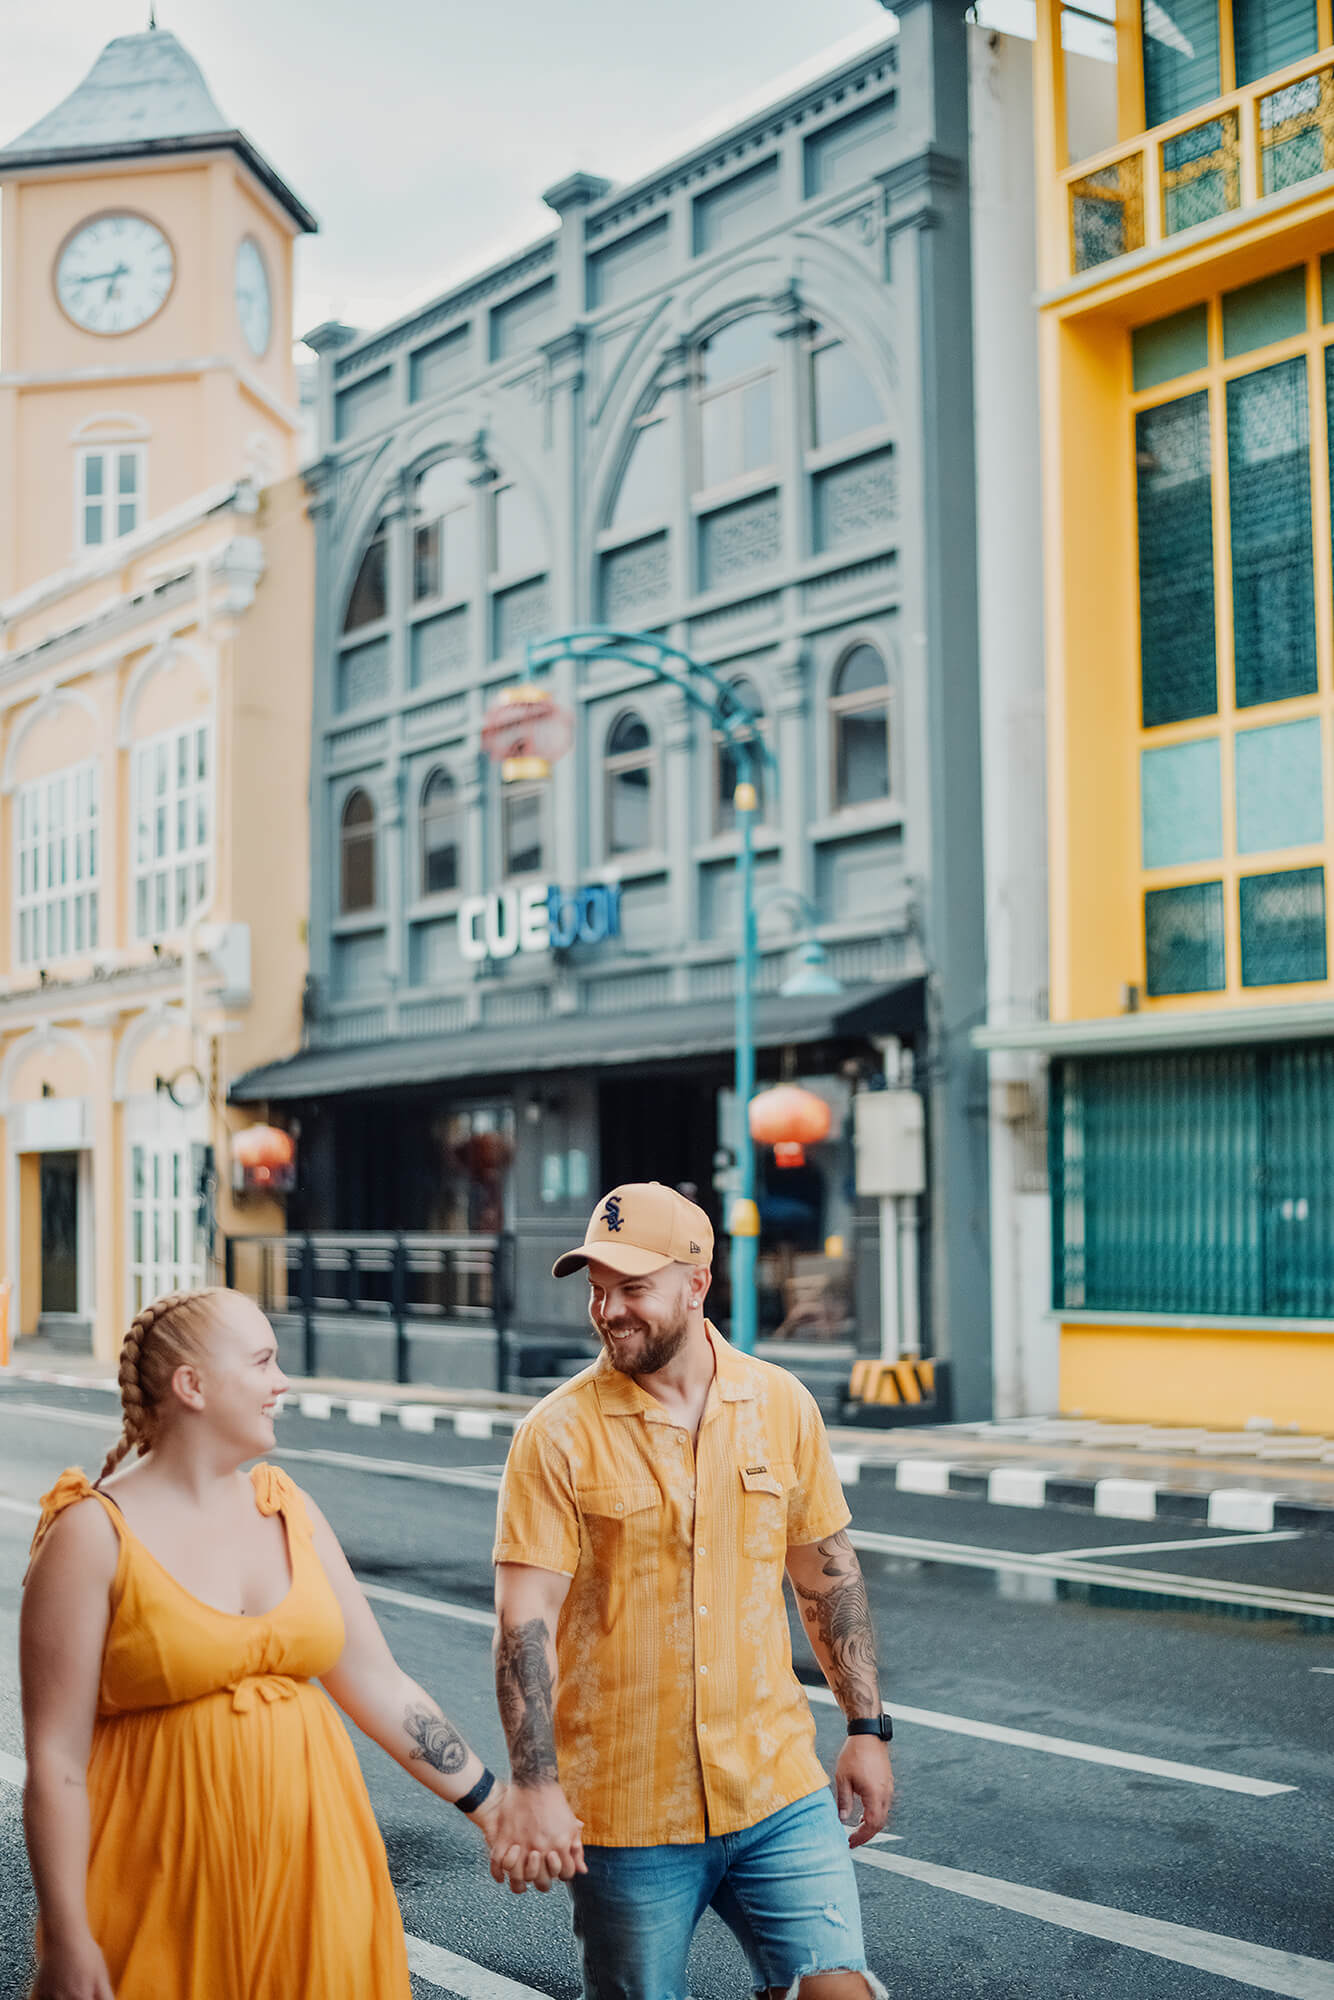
(785, 1889)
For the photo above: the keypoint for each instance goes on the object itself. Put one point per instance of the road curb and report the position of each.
(1241, 1509)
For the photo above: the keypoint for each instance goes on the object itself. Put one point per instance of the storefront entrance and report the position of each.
(60, 1317)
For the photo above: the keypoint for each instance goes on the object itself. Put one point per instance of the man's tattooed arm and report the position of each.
(525, 1690)
(827, 1579)
(438, 1741)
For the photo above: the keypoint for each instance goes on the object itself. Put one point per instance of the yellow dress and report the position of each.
(234, 1853)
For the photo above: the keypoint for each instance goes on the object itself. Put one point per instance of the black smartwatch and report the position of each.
(873, 1725)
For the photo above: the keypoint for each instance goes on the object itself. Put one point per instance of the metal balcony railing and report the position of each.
(1258, 141)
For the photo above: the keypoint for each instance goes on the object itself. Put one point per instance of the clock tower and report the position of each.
(145, 308)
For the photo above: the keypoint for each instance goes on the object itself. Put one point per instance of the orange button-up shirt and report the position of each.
(677, 1709)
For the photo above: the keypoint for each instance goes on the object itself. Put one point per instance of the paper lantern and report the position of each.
(789, 1119)
(264, 1157)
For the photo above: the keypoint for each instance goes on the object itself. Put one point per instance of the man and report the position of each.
(662, 1750)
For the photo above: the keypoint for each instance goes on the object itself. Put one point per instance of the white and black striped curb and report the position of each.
(1239, 1508)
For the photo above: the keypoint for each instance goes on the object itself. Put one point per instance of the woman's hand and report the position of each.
(487, 1819)
(73, 1971)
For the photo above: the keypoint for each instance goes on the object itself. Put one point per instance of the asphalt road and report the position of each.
(1102, 1792)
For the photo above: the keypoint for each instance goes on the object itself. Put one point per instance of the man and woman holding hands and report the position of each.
(196, 1820)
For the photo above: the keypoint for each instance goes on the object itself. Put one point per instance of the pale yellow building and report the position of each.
(156, 589)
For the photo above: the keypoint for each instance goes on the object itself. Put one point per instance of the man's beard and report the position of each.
(645, 1353)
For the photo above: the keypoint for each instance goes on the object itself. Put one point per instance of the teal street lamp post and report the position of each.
(739, 727)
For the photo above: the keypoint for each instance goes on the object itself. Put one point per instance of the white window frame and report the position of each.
(163, 865)
(57, 864)
(111, 455)
(164, 1256)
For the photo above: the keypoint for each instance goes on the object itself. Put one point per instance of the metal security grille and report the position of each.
(1201, 172)
(1282, 927)
(1273, 581)
(1195, 1183)
(1184, 948)
(1176, 561)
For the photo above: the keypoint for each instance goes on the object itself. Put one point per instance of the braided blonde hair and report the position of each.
(161, 1336)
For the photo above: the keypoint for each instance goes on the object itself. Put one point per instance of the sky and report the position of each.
(421, 132)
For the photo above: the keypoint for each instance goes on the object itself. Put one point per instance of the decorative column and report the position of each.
(791, 747)
(678, 800)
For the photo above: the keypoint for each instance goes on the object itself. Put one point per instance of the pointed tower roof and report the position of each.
(144, 95)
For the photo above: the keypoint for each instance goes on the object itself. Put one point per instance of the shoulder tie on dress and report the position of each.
(71, 1487)
(275, 1493)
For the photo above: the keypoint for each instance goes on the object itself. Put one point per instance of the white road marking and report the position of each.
(473, 1423)
(1084, 1753)
(1322, 1670)
(1147, 1582)
(1164, 1548)
(417, 1417)
(1127, 1499)
(1073, 1569)
(466, 1614)
(429, 1961)
(398, 1468)
(1282, 1972)
(363, 1413)
(926, 1718)
(460, 1975)
(26, 1507)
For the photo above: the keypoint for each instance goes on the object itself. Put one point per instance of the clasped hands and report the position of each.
(533, 1837)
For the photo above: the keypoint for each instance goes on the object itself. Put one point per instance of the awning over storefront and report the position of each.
(586, 1041)
(1173, 1028)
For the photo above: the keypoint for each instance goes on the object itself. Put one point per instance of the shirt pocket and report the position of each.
(622, 1530)
(764, 1497)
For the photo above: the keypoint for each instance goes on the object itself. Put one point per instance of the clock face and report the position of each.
(114, 273)
(254, 304)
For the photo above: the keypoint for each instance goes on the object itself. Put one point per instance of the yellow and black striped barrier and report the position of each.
(909, 1390)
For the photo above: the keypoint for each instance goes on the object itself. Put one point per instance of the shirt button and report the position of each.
(701, 1550)
(703, 1728)
(620, 1506)
(704, 1670)
(703, 1610)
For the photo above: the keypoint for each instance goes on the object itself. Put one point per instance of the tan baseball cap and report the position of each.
(639, 1228)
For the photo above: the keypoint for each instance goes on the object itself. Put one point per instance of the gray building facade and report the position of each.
(730, 405)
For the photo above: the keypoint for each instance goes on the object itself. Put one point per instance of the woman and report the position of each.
(196, 1820)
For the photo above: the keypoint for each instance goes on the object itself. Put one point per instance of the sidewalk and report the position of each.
(1254, 1480)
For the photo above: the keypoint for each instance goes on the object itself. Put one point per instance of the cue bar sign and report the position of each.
(541, 917)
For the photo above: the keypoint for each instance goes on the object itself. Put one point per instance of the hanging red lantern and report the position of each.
(487, 1153)
(264, 1157)
(789, 1119)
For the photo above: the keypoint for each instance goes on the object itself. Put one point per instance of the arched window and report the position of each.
(729, 765)
(843, 403)
(629, 786)
(369, 597)
(443, 542)
(737, 433)
(356, 881)
(441, 828)
(859, 714)
(643, 497)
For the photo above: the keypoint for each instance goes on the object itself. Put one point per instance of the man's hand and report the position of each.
(535, 1838)
(862, 1774)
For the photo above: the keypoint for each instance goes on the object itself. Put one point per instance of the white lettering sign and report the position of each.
(540, 917)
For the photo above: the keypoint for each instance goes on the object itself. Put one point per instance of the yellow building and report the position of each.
(1187, 378)
(156, 585)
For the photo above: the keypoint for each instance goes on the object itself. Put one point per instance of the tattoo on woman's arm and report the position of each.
(839, 1618)
(526, 1693)
(438, 1741)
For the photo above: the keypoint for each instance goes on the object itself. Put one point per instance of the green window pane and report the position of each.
(1181, 67)
(1183, 939)
(1181, 804)
(1169, 347)
(1280, 792)
(1327, 287)
(1270, 34)
(1273, 588)
(1283, 927)
(1176, 561)
(1272, 309)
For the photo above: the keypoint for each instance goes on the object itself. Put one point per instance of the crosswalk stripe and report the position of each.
(1282, 1972)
